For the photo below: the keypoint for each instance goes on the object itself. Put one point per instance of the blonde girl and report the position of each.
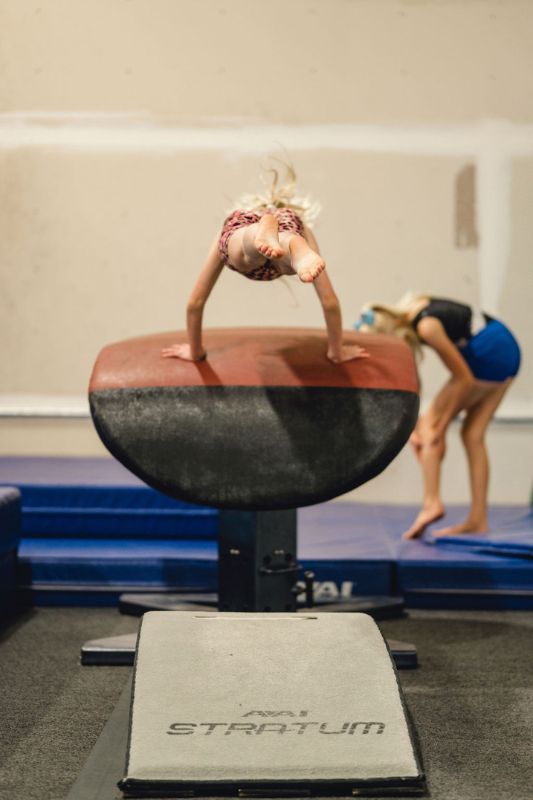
(482, 358)
(264, 238)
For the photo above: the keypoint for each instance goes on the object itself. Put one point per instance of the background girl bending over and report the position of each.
(482, 357)
(263, 239)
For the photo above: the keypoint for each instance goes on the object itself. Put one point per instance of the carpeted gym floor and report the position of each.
(471, 700)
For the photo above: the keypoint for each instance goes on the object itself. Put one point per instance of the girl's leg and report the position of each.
(300, 257)
(252, 245)
(265, 239)
(430, 448)
(473, 436)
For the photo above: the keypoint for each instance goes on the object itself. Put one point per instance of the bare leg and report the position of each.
(473, 436)
(242, 252)
(265, 239)
(304, 261)
(249, 247)
(430, 449)
(252, 245)
(430, 453)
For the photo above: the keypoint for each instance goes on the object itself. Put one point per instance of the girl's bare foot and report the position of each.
(305, 262)
(347, 353)
(468, 526)
(266, 240)
(424, 518)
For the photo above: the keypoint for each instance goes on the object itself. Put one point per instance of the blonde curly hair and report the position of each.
(281, 194)
(393, 320)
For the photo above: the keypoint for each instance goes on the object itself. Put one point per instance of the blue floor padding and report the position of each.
(91, 530)
(440, 572)
(348, 549)
(508, 538)
(119, 565)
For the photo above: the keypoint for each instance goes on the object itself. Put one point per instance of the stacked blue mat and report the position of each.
(91, 530)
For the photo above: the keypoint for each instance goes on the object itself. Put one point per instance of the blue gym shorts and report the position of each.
(493, 353)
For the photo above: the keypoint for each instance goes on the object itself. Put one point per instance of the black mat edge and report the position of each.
(105, 765)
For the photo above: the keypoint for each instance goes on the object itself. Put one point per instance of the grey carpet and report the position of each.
(471, 700)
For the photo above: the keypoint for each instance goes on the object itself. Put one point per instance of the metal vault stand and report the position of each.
(258, 572)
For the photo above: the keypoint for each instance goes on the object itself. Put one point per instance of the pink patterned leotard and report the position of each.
(287, 219)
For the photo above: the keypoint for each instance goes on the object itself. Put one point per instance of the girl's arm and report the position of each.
(337, 352)
(432, 332)
(194, 351)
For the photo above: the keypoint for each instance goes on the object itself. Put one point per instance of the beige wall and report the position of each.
(127, 128)
(99, 247)
(414, 61)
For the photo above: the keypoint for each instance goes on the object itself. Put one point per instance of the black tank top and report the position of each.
(456, 318)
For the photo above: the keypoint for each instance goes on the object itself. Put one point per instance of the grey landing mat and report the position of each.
(229, 703)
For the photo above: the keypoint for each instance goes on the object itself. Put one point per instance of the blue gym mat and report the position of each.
(98, 497)
(91, 530)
